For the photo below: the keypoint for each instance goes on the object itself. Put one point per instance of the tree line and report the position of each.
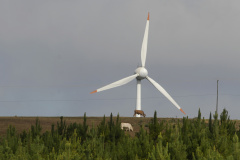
(163, 140)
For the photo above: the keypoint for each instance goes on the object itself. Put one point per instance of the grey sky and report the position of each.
(54, 53)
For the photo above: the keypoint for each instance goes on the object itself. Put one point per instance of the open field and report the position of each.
(24, 123)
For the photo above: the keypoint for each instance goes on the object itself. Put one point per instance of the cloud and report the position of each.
(63, 50)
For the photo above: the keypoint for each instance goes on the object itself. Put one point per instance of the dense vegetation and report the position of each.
(185, 139)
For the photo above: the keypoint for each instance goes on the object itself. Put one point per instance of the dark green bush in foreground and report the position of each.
(186, 139)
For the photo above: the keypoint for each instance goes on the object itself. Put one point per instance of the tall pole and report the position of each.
(217, 98)
(138, 102)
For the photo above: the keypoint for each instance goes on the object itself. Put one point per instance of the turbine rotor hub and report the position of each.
(142, 72)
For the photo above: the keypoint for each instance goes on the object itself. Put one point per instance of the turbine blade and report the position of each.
(144, 44)
(117, 83)
(164, 92)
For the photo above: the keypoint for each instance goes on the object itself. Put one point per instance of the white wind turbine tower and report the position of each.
(140, 74)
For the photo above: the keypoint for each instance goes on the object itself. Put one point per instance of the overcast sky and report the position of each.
(54, 53)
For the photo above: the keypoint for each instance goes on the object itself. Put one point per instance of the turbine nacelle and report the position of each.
(142, 73)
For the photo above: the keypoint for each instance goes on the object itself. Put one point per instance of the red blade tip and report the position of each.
(93, 92)
(182, 111)
(148, 16)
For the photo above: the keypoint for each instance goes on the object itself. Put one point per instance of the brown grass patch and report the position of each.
(24, 123)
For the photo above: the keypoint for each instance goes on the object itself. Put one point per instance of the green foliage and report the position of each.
(210, 124)
(160, 152)
(144, 143)
(36, 130)
(155, 127)
(61, 127)
(186, 139)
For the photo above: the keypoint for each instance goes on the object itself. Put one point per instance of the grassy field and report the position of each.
(24, 123)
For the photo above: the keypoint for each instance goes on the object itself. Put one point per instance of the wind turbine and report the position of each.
(140, 74)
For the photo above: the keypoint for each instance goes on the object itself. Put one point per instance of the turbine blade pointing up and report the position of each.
(144, 44)
(164, 92)
(117, 83)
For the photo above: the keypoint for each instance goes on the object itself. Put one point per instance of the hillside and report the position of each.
(24, 123)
